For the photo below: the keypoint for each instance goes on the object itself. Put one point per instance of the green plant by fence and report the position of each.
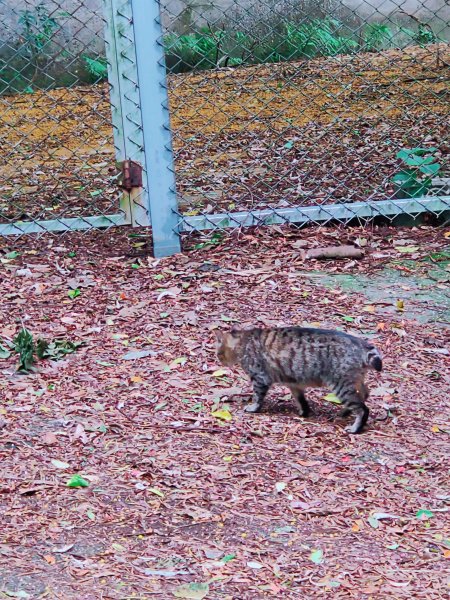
(209, 47)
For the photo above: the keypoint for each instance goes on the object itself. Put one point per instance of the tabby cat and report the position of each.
(303, 357)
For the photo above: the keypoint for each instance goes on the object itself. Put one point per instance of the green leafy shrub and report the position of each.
(425, 35)
(30, 63)
(97, 67)
(188, 52)
(212, 48)
(37, 28)
(418, 168)
(28, 349)
(25, 347)
(377, 36)
(320, 37)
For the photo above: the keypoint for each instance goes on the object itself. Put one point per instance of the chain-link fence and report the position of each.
(70, 115)
(290, 111)
(57, 151)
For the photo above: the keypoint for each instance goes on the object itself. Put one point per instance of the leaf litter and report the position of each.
(125, 476)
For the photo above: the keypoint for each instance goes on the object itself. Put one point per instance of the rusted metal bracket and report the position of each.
(131, 175)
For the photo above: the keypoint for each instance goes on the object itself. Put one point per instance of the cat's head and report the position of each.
(227, 346)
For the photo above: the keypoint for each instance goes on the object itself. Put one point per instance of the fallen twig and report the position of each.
(335, 252)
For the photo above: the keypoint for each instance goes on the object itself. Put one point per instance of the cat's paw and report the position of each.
(355, 428)
(254, 407)
(304, 413)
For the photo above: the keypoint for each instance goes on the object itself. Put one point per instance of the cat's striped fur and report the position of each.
(302, 357)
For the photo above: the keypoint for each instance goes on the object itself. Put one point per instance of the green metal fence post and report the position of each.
(156, 126)
(125, 102)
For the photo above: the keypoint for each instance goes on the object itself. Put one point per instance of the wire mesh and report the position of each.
(281, 111)
(308, 111)
(57, 165)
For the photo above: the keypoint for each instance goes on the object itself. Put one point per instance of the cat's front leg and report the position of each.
(260, 389)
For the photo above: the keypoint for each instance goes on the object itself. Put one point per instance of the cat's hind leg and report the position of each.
(300, 402)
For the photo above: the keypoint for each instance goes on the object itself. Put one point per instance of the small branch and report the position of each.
(335, 252)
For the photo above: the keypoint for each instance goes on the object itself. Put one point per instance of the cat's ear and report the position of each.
(219, 335)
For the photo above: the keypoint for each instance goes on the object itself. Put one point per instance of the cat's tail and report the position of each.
(373, 357)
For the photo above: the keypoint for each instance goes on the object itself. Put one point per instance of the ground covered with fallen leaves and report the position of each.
(324, 130)
(185, 495)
